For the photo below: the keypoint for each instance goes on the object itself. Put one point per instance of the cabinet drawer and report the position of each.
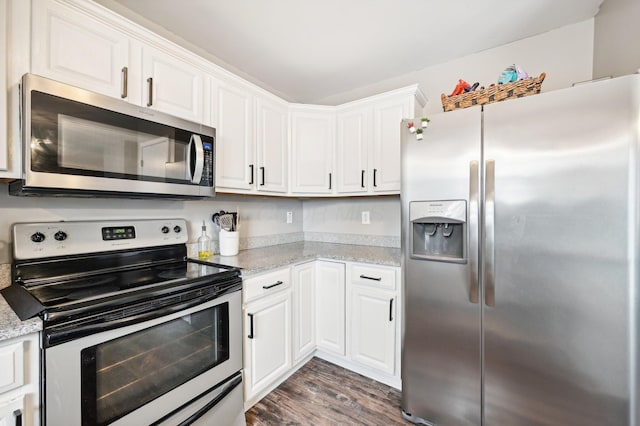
(377, 276)
(12, 362)
(271, 282)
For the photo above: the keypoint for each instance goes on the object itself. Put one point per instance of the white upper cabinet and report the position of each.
(75, 48)
(271, 146)
(4, 132)
(312, 140)
(83, 45)
(234, 122)
(386, 143)
(172, 85)
(354, 136)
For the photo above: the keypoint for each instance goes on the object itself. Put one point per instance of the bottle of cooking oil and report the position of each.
(204, 244)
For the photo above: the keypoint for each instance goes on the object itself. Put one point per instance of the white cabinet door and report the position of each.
(267, 328)
(172, 85)
(354, 130)
(271, 144)
(4, 132)
(312, 139)
(303, 310)
(72, 47)
(12, 411)
(387, 116)
(330, 306)
(233, 112)
(372, 334)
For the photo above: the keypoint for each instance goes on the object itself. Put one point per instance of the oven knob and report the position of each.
(177, 229)
(60, 236)
(165, 229)
(37, 237)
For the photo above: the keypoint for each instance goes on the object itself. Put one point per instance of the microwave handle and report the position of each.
(195, 169)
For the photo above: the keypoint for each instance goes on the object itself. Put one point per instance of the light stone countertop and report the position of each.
(10, 324)
(263, 259)
(251, 261)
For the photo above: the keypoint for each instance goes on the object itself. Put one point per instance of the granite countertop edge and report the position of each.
(255, 261)
(252, 261)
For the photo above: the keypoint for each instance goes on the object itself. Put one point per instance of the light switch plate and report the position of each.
(289, 217)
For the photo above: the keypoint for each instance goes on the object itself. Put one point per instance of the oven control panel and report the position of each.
(48, 239)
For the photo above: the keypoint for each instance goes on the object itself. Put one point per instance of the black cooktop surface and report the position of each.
(70, 290)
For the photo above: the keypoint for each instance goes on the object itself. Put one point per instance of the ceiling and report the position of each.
(306, 50)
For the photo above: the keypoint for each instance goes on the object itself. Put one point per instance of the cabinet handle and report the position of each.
(329, 180)
(365, 277)
(18, 416)
(150, 84)
(262, 176)
(391, 310)
(375, 172)
(362, 179)
(125, 83)
(251, 172)
(267, 287)
(250, 336)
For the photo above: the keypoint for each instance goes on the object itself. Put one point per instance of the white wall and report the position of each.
(344, 215)
(617, 38)
(565, 54)
(260, 216)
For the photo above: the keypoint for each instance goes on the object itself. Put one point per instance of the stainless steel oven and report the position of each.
(135, 333)
(80, 143)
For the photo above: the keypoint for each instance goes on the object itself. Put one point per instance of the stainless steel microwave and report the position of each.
(80, 143)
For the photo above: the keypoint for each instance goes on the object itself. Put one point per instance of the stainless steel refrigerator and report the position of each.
(520, 232)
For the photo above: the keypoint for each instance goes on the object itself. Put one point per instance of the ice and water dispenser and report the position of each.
(439, 230)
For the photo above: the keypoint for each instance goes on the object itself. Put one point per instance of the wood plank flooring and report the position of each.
(321, 393)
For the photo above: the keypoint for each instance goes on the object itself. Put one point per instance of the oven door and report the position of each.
(81, 142)
(140, 374)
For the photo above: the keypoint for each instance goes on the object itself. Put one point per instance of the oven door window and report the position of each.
(69, 137)
(121, 375)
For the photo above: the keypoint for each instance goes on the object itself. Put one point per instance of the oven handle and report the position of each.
(66, 333)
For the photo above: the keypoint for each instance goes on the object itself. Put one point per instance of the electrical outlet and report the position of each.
(365, 218)
(289, 217)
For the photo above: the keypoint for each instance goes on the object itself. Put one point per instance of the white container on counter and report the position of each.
(229, 243)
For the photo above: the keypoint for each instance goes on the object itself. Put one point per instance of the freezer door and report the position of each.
(559, 280)
(441, 344)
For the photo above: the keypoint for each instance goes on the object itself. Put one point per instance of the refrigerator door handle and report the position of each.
(473, 231)
(489, 230)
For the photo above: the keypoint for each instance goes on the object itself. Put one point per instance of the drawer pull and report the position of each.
(364, 277)
(250, 336)
(267, 287)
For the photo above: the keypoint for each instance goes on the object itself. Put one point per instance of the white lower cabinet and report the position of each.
(373, 329)
(373, 312)
(304, 285)
(19, 373)
(267, 330)
(330, 307)
(347, 313)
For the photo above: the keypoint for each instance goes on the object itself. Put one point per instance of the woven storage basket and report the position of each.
(499, 92)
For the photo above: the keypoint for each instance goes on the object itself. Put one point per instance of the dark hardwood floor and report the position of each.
(321, 393)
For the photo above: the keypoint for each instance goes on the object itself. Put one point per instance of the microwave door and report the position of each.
(92, 150)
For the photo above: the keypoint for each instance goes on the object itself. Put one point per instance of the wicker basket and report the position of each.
(499, 92)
